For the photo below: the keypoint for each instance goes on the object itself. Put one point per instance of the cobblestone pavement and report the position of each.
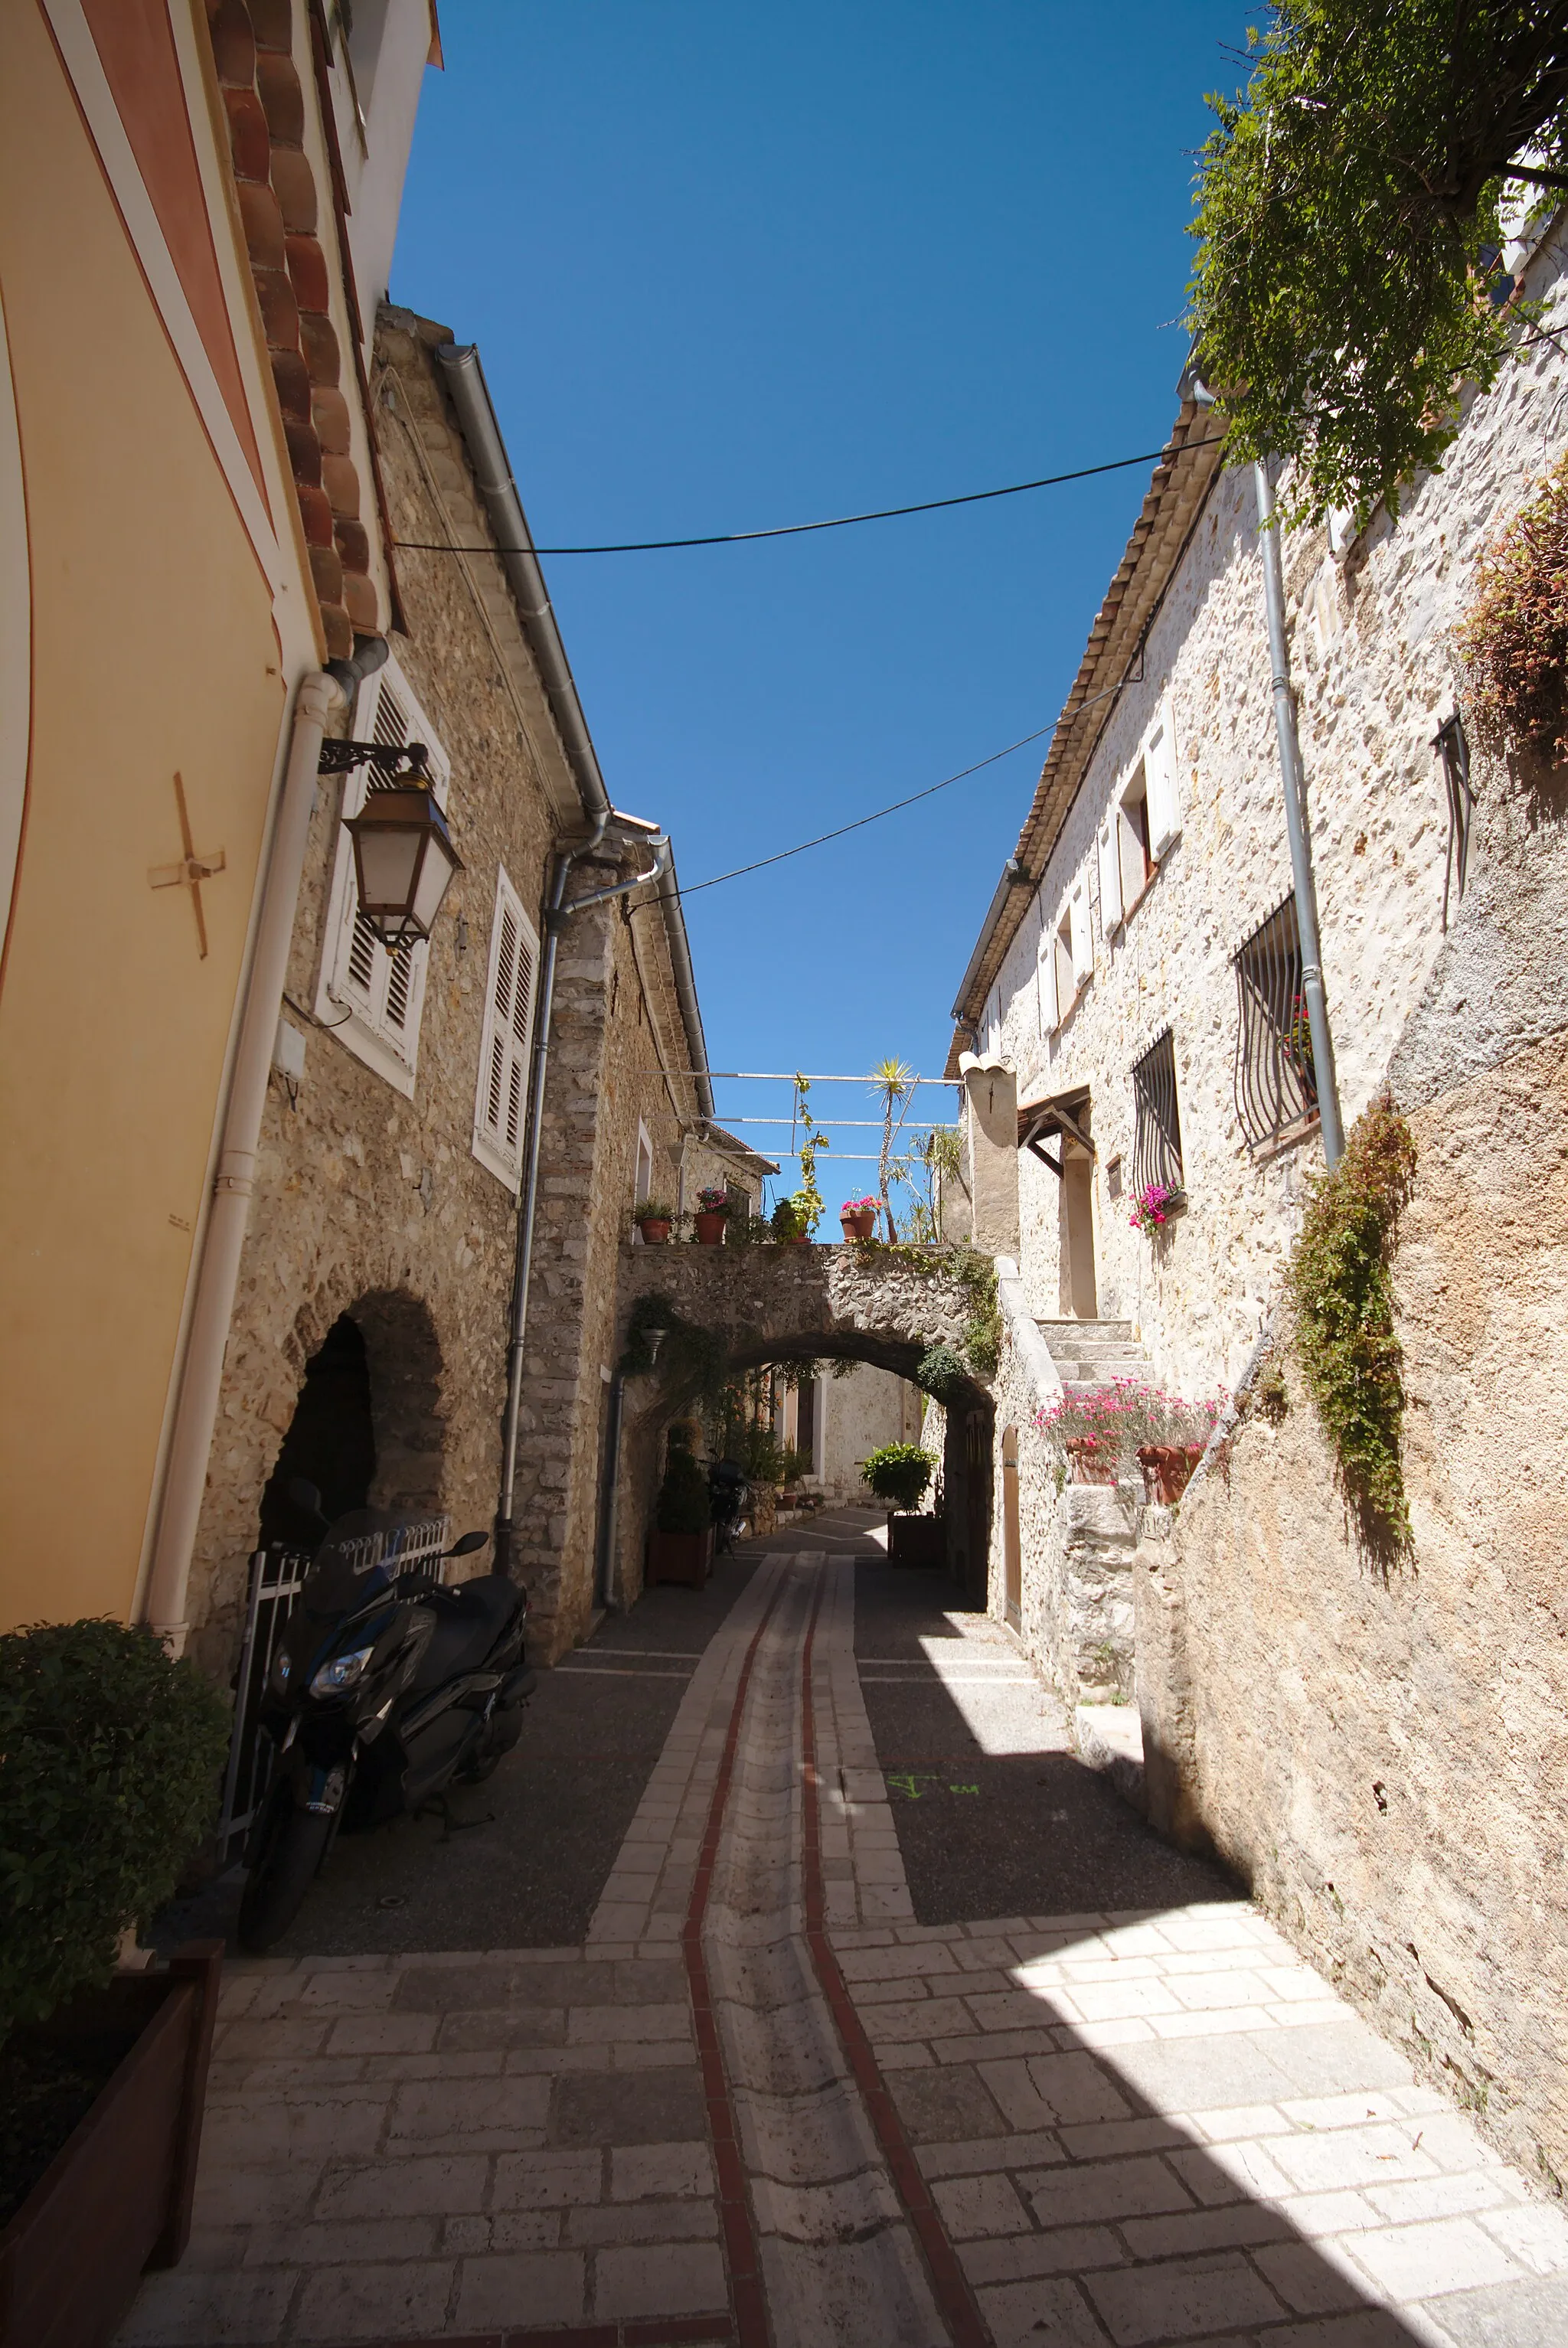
(759, 2102)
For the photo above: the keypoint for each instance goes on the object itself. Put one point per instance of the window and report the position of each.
(1066, 959)
(383, 994)
(1140, 827)
(502, 1100)
(1157, 1135)
(642, 1185)
(1276, 1087)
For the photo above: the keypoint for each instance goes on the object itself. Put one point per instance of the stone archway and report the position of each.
(772, 1304)
(367, 1427)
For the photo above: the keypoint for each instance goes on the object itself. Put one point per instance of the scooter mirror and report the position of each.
(305, 1495)
(469, 1543)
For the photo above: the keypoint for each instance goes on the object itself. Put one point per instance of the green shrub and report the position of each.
(684, 1506)
(1341, 1286)
(111, 1755)
(898, 1473)
(940, 1373)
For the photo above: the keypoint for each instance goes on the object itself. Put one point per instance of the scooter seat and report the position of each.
(469, 1620)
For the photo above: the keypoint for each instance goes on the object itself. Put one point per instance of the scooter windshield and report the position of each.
(359, 1559)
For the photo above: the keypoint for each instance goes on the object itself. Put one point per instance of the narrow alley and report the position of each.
(794, 1982)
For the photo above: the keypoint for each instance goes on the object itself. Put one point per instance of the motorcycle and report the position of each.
(385, 1688)
(727, 1503)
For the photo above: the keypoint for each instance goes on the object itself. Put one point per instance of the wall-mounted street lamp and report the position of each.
(404, 860)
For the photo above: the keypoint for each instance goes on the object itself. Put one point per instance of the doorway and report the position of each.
(1012, 1541)
(1080, 1294)
(331, 1441)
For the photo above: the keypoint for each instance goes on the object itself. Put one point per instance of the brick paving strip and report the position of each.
(1097, 2131)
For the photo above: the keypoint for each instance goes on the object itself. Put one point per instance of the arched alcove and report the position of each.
(366, 1428)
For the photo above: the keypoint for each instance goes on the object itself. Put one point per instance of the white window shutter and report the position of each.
(384, 991)
(501, 1101)
(1079, 933)
(1050, 1014)
(1109, 877)
(1160, 773)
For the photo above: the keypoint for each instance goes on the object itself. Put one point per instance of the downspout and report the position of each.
(319, 700)
(1291, 776)
(557, 913)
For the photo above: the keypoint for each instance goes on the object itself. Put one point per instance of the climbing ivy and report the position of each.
(1514, 643)
(976, 1274)
(690, 1358)
(1341, 1287)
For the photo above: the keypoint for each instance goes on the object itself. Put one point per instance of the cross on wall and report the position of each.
(191, 870)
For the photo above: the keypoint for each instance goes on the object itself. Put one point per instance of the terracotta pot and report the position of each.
(655, 1231)
(710, 1229)
(117, 2196)
(1167, 1469)
(858, 1227)
(1091, 1463)
(800, 1238)
(684, 1557)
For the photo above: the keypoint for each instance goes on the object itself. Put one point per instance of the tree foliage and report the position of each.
(1349, 219)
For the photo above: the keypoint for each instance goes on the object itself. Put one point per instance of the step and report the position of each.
(1117, 1332)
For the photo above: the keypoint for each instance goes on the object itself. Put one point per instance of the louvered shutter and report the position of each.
(1109, 877)
(501, 1101)
(1160, 772)
(1079, 933)
(1051, 1015)
(385, 991)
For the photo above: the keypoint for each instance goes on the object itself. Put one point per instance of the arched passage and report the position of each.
(367, 1427)
(775, 1305)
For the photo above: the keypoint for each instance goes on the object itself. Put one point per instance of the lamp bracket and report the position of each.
(390, 762)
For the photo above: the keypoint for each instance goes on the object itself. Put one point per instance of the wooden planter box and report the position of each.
(916, 1540)
(117, 2196)
(685, 1558)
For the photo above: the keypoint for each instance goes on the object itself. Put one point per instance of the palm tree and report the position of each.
(892, 1082)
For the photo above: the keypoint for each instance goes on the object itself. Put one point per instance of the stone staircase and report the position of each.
(1089, 1354)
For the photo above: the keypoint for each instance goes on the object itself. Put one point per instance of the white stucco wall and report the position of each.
(1373, 666)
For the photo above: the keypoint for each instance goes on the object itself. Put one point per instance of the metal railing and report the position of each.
(277, 1577)
(1157, 1137)
(1275, 1083)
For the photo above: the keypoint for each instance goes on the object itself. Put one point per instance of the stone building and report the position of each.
(198, 203)
(370, 1346)
(839, 1419)
(1376, 1753)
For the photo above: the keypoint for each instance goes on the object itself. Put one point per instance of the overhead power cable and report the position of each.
(837, 522)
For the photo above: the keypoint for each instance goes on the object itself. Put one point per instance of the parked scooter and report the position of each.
(727, 1503)
(385, 1688)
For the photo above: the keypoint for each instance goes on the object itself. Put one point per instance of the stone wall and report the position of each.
(856, 1414)
(1373, 666)
(371, 1202)
(1382, 1755)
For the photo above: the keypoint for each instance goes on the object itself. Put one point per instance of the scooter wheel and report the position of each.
(284, 1870)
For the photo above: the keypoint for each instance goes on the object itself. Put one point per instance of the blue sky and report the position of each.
(729, 266)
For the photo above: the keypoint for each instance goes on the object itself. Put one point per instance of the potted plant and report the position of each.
(1167, 1469)
(712, 1214)
(110, 1758)
(1153, 1206)
(859, 1217)
(680, 1547)
(899, 1475)
(791, 1223)
(655, 1219)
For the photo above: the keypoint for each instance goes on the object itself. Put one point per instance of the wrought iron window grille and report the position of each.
(1450, 744)
(1275, 1081)
(1157, 1135)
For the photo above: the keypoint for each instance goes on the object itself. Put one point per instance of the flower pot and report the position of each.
(916, 1539)
(655, 1229)
(858, 1227)
(710, 1229)
(1167, 1469)
(1091, 1462)
(117, 2196)
(800, 1238)
(682, 1558)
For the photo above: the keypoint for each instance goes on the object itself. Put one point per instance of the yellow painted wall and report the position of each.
(154, 650)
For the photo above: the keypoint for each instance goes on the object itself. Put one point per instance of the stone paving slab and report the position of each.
(1117, 2128)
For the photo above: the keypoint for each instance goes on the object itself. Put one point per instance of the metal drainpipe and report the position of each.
(557, 913)
(319, 698)
(1295, 823)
